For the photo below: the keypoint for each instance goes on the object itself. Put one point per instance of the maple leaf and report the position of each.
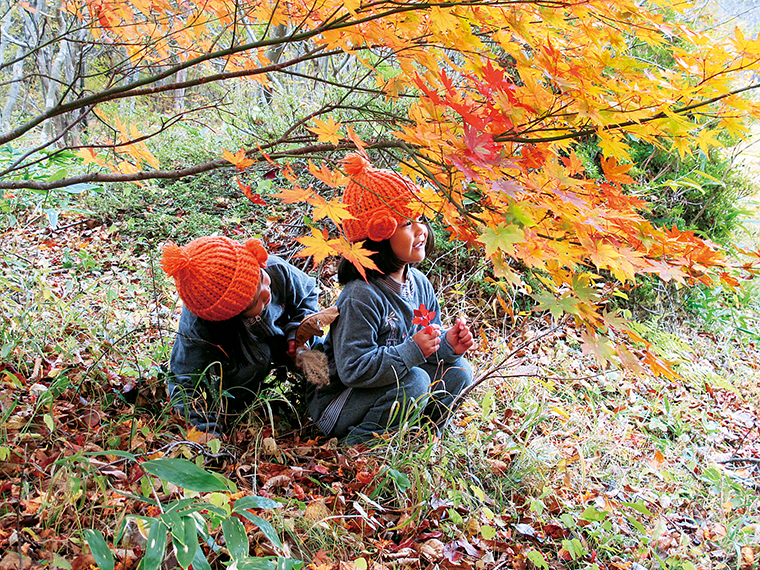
(556, 306)
(502, 238)
(332, 178)
(254, 198)
(295, 194)
(354, 138)
(326, 131)
(615, 172)
(334, 209)
(665, 271)
(238, 159)
(599, 346)
(317, 245)
(356, 254)
(423, 317)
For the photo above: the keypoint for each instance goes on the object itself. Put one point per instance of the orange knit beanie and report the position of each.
(216, 277)
(378, 200)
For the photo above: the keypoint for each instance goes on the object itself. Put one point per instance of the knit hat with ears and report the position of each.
(216, 277)
(379, 200)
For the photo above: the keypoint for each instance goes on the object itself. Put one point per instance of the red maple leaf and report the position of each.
(423, 317)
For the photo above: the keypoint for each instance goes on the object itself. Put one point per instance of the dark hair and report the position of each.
(384, 258)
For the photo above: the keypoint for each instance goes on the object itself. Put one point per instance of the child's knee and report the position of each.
(416, 384)
(458, 376)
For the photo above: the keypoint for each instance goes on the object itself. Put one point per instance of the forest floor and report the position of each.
(553, 462)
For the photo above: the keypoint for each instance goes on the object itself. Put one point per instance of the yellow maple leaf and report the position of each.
(317, 245)
(326, 131)
(334, 209)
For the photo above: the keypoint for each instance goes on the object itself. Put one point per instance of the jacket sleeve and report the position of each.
(359, 360)
(300, 294)
(192, 383)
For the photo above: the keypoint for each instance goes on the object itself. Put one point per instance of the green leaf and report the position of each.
(186, 544)
(636, 524)
(401, 479)
(537, 558)
(234, 536)
(568, 520)
(254, 502)
(155, 547)
(200, 562)
(186, 474)
(62, 173)
(79, 188)
(487, 532)
(114, 452)
(593, 514)
(100, 551)
(264, 526)
(557, 307)
(641, 507)
(501, 238)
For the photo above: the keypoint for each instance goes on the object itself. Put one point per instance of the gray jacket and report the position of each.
(370, 344)
(238, 354)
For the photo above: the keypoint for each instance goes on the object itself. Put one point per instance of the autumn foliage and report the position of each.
(498, 97)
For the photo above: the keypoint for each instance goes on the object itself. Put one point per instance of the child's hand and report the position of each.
(428, 339)
(460, 337)
(293, 350)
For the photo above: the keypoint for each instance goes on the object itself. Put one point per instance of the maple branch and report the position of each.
(615, 126)
(96, 177)
(443, 423)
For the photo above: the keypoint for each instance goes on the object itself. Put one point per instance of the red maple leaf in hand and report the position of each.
(423, 317)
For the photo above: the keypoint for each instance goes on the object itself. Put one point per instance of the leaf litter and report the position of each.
(551, 462)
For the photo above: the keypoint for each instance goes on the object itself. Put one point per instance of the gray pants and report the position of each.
(428, 389)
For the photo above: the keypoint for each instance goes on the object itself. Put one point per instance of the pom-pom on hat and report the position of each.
(216, 277)
(378, 200)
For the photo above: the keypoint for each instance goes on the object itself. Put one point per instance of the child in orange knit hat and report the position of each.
(385, 368)
(242, 310)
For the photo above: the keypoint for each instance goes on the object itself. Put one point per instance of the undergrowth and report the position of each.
(551, 462)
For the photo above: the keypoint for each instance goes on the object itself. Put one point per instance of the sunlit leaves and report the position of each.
(238, 159)
(326, 131)
(501, 237)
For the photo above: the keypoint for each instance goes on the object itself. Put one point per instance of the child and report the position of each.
(242, 310)
(383, 367)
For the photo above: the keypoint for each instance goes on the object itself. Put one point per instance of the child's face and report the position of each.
(408, 241)
(261, 299)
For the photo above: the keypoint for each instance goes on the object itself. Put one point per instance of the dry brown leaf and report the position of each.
(316, 510)
(314, 323)
(748, 558)
(432, 550)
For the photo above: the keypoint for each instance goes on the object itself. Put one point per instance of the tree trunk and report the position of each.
(13, 92)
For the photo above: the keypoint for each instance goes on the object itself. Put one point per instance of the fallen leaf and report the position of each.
(314, 324)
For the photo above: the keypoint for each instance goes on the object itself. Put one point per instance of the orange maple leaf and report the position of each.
(332, 178)
(326, 131)
(295, 194)
(317, 245)
(238, 159)
(615, 172)
(356, 254)
(255, 198)
(354, 138)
